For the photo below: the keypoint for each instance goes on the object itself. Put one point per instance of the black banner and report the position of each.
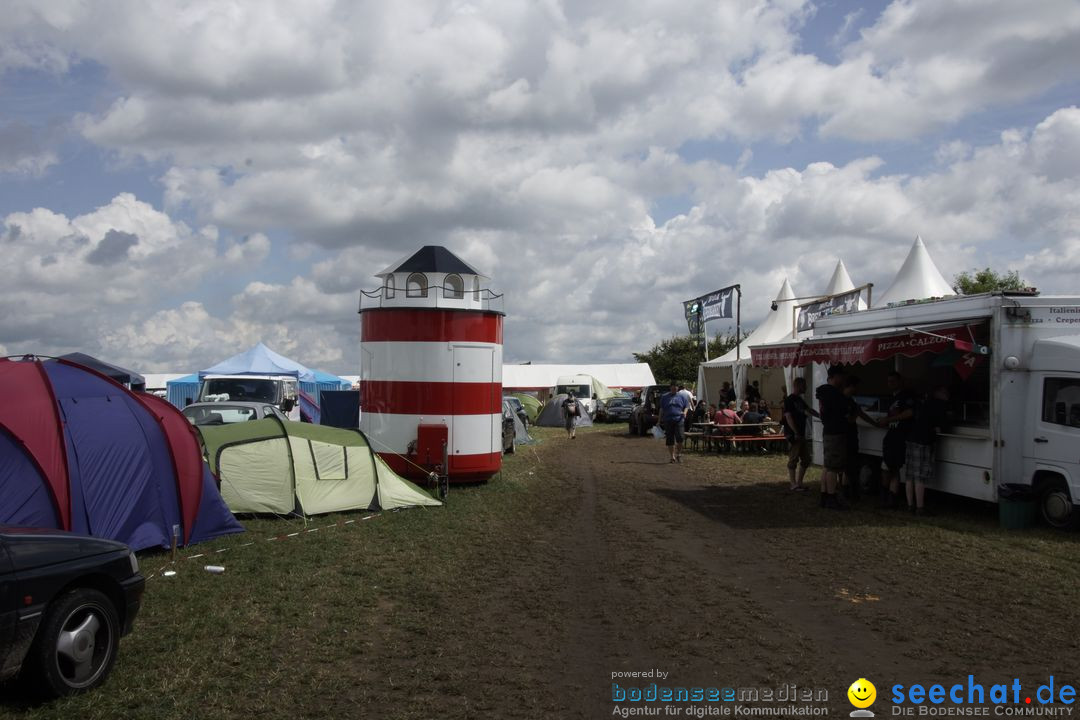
(692, 309)
(718, 305)
(832, 305)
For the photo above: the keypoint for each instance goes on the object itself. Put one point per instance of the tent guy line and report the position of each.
(280, 536)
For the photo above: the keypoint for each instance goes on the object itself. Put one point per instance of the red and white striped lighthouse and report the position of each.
(431, 367)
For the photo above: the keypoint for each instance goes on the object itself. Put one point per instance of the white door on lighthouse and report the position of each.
(474, 434)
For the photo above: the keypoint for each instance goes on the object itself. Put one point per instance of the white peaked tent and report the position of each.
(775, 328)
(840, 282)
(918, 279)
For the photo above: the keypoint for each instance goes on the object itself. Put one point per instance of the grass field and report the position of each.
(508, 600)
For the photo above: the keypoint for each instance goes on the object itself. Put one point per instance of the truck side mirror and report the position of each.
(288, 404)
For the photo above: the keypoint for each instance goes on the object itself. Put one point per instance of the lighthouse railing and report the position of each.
(434, 297)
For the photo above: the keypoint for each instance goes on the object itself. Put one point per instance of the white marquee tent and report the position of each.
(918, 279)
(543, 377)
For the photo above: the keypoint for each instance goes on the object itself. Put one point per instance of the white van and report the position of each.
(583, 387)
(277, 390)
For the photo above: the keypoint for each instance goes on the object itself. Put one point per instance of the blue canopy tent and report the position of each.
(182, 389)
(260, 360)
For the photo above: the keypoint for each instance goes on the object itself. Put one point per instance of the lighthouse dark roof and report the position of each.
(433, 259)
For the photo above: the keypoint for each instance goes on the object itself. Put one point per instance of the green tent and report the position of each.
(271, 466)
(532, 405)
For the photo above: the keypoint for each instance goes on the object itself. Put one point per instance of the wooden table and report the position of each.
(732, 435)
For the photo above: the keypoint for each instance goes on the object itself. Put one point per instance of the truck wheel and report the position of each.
(1056, 506)
(76, 644)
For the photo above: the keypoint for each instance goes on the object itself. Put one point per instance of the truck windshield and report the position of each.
(581, 391)
(251, 389)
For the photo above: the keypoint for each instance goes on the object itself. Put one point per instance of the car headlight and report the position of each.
(134, 563)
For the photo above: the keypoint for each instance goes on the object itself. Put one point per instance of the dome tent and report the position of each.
(80, 452)
(271, 466)
(917, 279)
(552, 414)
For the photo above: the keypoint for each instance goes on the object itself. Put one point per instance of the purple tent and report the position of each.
(80, 452)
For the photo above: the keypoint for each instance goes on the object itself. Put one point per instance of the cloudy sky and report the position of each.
(179, 180)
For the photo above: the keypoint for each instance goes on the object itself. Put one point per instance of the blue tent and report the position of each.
(80, 452)
(260, 360)
(182, 389)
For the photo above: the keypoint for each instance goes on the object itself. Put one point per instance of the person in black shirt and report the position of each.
(753, 393)
(926, 423)
(795, 412)
(894, 446)
(833, 411)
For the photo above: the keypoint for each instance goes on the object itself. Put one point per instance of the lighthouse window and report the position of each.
(476, 288)
(454, 287)
(416, 285)
(390, 288)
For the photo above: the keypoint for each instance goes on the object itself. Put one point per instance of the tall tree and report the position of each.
(986, 280)
(677, 358)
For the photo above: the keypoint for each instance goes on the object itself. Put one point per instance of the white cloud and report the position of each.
(534, 139)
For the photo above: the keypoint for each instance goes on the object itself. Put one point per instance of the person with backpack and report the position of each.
(571, 412)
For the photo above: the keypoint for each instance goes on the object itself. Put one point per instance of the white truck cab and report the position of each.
(583, 387)
(278, 390)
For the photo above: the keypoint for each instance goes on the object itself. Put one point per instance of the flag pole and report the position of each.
(738, 319)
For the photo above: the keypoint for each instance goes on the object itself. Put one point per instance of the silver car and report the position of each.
(226, 413)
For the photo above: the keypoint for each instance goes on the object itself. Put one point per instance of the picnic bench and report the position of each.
(733, 436)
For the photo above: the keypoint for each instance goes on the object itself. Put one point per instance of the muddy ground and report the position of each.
(524, 597)
(714, 573)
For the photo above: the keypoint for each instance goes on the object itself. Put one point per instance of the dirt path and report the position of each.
(712, 572)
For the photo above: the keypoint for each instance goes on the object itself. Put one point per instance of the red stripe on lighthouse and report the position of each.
(424, 398)
(463, 468)
(427, 325)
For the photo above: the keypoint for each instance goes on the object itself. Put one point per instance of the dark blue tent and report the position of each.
(80, 452)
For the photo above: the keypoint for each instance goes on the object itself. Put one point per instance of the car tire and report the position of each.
(76, 644)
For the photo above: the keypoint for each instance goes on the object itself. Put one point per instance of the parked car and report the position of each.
(65, 602)
(519, 409)
(225, 413)
(645, 414)
(509, 435)
(616, 409)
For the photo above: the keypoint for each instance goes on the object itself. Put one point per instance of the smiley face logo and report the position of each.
(862, 693)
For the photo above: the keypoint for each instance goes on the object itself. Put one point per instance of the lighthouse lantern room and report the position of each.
(431, 368)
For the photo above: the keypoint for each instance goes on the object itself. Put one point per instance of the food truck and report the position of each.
(1011, 365)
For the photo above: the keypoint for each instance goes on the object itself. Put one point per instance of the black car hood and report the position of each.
(38, 547)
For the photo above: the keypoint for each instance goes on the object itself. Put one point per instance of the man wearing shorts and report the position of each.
(795, 412)
(833, 411)
(894, 446)
(673, 409)
(919, 461)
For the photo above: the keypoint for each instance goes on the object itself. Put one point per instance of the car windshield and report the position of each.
(619, 402)
(219, 414)
(250, 389)
(581, 391)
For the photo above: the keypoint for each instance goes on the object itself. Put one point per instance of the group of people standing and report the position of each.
(908, 446)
